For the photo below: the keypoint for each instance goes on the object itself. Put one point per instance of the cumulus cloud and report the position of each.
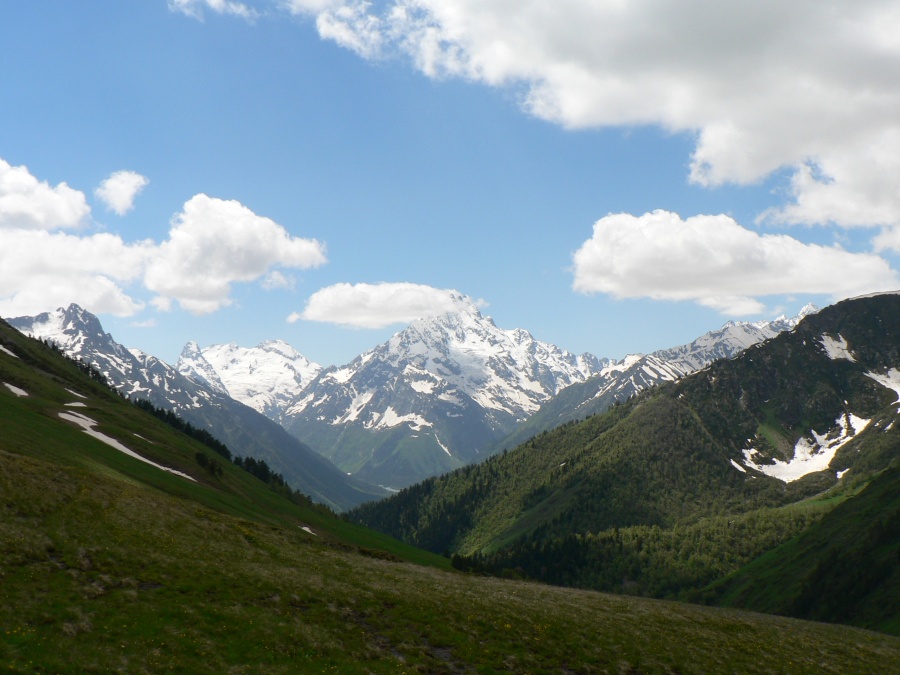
(214, 243)
(42, 270)
(714, 261)
(762, 84)
(27, 203)
(118, 191)
(195, 8)
(380, 305)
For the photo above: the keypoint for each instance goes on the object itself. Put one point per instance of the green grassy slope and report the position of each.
(844, 569)
(110, 564)
(31, 426)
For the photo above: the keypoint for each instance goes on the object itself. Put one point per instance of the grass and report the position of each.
(101, 576)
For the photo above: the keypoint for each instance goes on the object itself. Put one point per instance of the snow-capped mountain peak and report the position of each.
(266, 377)
(194, 365)
(503, 370)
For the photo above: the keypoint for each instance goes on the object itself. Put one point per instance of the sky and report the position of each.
(613, 177)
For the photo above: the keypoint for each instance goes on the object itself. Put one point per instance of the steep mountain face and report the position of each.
(431, 398)
(812, 409)
(267, 377)
(247, 433)
(620, 380)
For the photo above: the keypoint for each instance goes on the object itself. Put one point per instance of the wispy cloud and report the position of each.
(196, 8)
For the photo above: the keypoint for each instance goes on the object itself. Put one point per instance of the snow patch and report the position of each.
(738, 466)
(6, 351)
(891, 380)
(811, 455)
(360, 401)
(15, 390)
(444, 447)
(341, 376)
(76, 404)
(306, 529)
(450, 398)
(75, 393)
(87, 425)
(837, 348)
(390, 419)
(423, 387)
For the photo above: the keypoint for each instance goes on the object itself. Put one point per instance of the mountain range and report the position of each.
(446, 391)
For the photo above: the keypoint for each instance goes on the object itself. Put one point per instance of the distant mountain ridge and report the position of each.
(447, 390)
(137, 375)
(267, 377)
(431, 398)
(444, 392)
(620, 380)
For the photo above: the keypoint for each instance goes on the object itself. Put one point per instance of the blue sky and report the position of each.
(612, 178)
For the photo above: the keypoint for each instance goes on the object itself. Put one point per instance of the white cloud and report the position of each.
(118, 191)
(26, 202)
(213, 243)
(195, 8)
(763, 84)
(714, 261)
(42, 270)
(380, 305)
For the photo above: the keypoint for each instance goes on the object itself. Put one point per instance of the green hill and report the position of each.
(109, 563)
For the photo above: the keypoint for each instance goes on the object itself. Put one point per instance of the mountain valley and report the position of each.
(113, 563)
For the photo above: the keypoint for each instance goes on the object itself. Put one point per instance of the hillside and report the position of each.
(854, 553)
(111, 563)
(244, 430)
(685, 483)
